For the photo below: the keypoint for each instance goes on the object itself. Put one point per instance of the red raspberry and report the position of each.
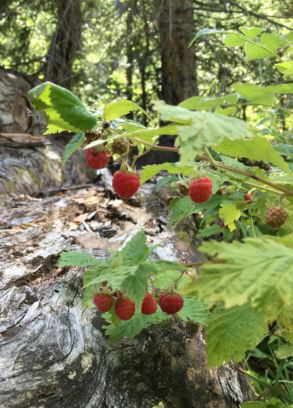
(124, 308)
(149, 304)
(125, 183)
(96, 159)
(248, 196)
(200, 190)
(171, 303)
(103, 302)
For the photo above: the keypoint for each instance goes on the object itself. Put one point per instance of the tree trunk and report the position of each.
(176, 27)
(65, 44)
(178, 69)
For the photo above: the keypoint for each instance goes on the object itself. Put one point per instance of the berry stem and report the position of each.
(217, 164)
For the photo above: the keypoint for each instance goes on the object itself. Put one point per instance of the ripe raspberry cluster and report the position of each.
(124, 307)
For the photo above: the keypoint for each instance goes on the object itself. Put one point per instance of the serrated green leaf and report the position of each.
(74, 258)
(181, 208)
(229, 213)
(232, 332)
(118, 108)
(63, 109)
(150, 171)
(286, 68)
(135, 325)
(73, 145)
(258, 271)
(234, 40)
(256, 148)
(194, 309)
(135, 285)
(135, 251)
(166, 278)
(251, 32)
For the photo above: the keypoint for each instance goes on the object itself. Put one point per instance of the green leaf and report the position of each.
(74, 258)
(209, 231)
(258, 271)
(149, 134)
(181, 208)
(194, 309)
(232, 332)
(207, 103)
(135, 325)
(134, 286)
(271, 403)
(234, 40)
(150, 171)
(64, 110)
(256, 148)
(255, 93)
(273, 41)
(74, 144)
(229, 213)
(284, 351)
(255, 51)
(118, 108)
(135, 251)
(251, 32)
(286, 68)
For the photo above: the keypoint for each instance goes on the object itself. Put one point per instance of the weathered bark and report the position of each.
(30, 163)
(65, 44)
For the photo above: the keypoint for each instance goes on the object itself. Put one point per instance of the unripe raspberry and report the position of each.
(276, 217)
(149, 304)
(248, 196)
(171, 303)
(125, 183)
(119, 146)
(124, 308)
(103, 302)
(96, 159)
(200, 190)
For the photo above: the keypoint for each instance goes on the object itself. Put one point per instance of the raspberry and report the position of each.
(96, 159)
(149, 304)
(171, 303)
(124, 308)
(125, 183)
(200, 190)
(248, 196)
(103, 302)
(276, 216)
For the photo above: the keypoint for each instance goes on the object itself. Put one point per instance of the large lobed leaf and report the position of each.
(232, 332)
(258, 271)
(256, 148)
(63, 109)
(200, 129)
